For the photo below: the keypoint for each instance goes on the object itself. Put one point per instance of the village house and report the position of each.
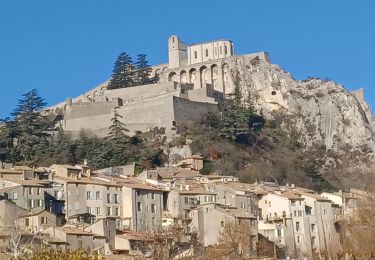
(238, 195)
(185, 195)
(99, 198)
(38, 220)
(210, 219)
(28, 194)
(142, 205)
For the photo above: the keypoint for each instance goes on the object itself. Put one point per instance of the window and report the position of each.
(38, 191)
(226, 49)
(15, 195)
(299, 213)
(172, 39)
(108, 198)
(27, 222)
(186, 200)
(205, 198)
(152, 195)
(297, 226)
(195, 55)
(242, 205)
(88, 210)
(43, 220)
(117, 212)
(279, 233)
(312, 227)
(324, 211)
(30, 191)
(298, 239)
(153, 208)
(269, 203)
(206, 52)
(295, 213)
(138, 193)
(153, 221)
(115, 198)
(139, 206)
(88, 195)
(222, 223)
(97, 195)
(293, 202)
(221, 50)
(97, 209)
(308, 210)
(108, 211)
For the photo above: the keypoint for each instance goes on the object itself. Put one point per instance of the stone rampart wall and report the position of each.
(186, 110)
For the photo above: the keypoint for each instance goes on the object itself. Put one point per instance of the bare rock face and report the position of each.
(322, 112)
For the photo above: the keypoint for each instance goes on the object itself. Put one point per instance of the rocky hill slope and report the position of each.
(322, 114)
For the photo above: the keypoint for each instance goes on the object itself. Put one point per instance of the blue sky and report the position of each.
(63, 48)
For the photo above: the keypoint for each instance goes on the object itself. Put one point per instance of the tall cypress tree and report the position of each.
(28, 127)
(123, 72)
(143, 70)
(117, 129)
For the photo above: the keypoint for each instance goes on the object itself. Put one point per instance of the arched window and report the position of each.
(206, 52)
(195, 55)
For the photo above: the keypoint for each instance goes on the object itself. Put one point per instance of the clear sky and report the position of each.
(63, 48)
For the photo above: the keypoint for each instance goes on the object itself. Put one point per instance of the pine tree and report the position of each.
(27, 114)
(123, 72)
(28, 127)
(117, 129)
(117, 145)
(143, 70)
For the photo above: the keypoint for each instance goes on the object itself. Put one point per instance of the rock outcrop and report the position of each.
(321, 111)
(326, 118)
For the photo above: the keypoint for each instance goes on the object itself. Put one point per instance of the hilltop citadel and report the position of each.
(196, 78)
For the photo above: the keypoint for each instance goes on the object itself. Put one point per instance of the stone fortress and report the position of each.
(194, 81)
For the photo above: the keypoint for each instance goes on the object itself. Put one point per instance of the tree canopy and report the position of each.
(128, 74)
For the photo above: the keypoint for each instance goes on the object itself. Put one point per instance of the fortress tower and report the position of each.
(176, 52)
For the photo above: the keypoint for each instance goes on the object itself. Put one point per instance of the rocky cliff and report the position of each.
(320, 113)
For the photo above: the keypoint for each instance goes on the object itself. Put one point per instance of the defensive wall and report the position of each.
(142, 108)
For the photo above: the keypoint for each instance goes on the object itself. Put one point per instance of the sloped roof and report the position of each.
(135, 183)
(33, 182)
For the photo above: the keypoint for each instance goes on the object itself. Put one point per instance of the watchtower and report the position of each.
(176, 52)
